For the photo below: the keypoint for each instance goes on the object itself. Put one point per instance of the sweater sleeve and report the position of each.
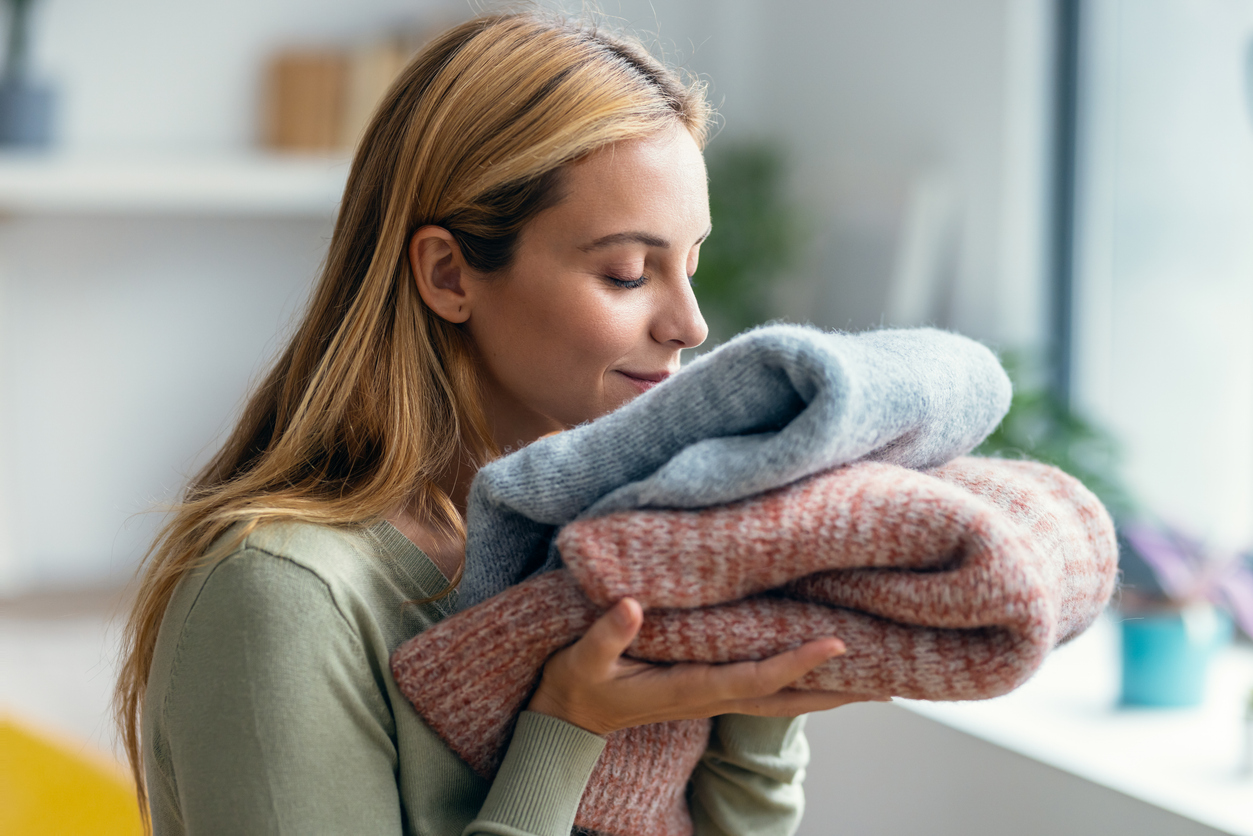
(749, 780)
(541, 779)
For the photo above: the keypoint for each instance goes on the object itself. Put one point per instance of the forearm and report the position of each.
(537, 790)
(749, 781)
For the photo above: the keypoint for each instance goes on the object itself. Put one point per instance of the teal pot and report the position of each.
(1165, 655)
(26, 112)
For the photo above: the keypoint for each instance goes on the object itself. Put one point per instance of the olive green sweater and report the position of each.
(271, 708)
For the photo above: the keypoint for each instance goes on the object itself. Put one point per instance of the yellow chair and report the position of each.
(51, 785)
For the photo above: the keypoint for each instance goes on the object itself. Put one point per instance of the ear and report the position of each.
(440, 272)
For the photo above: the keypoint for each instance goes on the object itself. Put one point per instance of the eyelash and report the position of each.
(627, 284)
(631, 284)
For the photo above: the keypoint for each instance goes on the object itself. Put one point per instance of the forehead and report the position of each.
(654, 185)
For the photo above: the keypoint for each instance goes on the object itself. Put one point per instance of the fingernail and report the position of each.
(622, 615)
(839, 648)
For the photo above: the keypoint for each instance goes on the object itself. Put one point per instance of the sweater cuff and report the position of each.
(745, 734)
(541, 779)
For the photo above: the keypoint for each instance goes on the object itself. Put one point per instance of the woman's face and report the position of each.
(598, 301)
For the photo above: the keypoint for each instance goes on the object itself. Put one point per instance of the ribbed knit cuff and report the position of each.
(541, 779)
(745, 734)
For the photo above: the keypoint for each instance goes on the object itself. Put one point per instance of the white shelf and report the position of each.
(1188, 761)
(233, 185)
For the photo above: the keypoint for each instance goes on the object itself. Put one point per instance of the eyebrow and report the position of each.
(635, 238)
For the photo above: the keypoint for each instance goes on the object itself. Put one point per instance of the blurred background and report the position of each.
(1068, 181)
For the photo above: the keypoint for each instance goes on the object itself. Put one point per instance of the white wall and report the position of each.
(176, 75)
(134, 318)
(869, 97)
(1164, 285)
(125, 346)
(126, 343)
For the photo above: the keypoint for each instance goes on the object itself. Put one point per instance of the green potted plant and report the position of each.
(757, 234)
(1041, 426)
(25, 106)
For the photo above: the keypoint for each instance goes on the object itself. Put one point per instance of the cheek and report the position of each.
(594, 331)
(558, 338)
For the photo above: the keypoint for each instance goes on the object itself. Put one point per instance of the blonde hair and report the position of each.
(375, 394)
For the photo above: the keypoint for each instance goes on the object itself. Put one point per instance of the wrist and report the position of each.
(542, 703)
(545, 702)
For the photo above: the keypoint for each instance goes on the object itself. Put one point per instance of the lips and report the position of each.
(644, 381)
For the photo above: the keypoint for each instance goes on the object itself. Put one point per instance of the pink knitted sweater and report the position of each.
(951, 584)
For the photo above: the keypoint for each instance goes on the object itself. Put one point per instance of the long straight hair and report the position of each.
(375, 394)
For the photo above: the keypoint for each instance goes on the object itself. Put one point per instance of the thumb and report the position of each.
(610, 635)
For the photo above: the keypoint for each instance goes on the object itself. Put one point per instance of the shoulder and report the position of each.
(261, 593)
(278, 572)
(364, 574)
(337, 558)
(291, 602)
(269, 591)
(301, 573)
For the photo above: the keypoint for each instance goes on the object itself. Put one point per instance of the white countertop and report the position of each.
(1189, 761)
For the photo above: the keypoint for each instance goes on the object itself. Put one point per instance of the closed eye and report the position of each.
(627, 284)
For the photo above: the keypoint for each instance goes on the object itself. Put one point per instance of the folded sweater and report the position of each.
(771, 406)
(945, 585)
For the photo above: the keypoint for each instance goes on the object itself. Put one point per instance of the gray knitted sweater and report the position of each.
(769, 407)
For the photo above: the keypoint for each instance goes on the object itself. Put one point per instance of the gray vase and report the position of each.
(25, 113)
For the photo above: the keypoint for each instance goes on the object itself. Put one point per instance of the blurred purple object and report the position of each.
(1236, 592)
(1188, 571)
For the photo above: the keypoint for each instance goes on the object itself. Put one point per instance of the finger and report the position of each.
(609, 636)
(750, 680)
(810, 655)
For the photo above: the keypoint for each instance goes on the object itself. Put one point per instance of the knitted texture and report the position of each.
(771, 406)
(947, 585)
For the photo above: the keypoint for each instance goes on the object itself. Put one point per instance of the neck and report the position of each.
(512, 424)
(456, 479)
(444, 547)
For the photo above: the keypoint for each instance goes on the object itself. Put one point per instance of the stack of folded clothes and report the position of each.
(789, 486)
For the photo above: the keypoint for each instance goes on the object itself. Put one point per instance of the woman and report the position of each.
(512, 257)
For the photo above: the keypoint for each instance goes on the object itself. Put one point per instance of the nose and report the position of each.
(677, 321)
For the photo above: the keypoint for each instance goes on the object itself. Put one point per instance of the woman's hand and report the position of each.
(591, 685)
